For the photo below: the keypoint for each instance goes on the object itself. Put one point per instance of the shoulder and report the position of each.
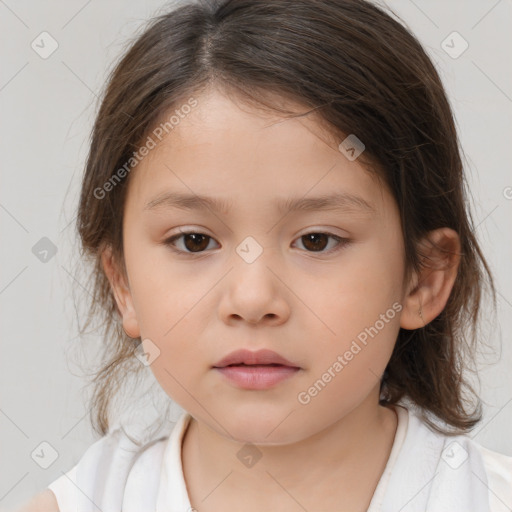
(103, 470)
(484, 475)
(457, 449)
(497, 464)
(45, 501)
(453, 472)
(498, 469)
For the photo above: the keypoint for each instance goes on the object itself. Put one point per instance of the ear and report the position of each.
(428, 290)
(122, 293)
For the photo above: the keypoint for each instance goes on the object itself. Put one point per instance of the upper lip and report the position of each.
(244, 356)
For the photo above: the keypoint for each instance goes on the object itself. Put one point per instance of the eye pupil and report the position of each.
(317, 240)
(195, 242)
(196, 237)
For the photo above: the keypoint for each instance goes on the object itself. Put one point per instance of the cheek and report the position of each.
(360, 309)
(347, 365)
(163, 295)
(364, 285)
(169, 311)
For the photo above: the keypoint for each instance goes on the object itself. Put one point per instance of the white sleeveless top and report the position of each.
(426, 472)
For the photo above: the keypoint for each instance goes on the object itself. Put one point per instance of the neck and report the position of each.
(349, 456)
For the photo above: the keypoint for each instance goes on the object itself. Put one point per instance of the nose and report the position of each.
(255, 293)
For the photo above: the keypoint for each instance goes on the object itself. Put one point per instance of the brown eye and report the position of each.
(196, 241)
(317, 242)
(192, 241)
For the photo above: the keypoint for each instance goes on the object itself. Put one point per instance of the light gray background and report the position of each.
(47, 109)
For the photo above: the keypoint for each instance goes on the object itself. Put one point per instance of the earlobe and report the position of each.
(122, 294)
(430, 288)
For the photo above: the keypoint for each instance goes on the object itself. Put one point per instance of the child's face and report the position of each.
(310, 306)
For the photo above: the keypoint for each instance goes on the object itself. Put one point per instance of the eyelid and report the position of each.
(169, 241)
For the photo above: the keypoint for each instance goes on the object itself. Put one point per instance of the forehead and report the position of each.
(226, 149)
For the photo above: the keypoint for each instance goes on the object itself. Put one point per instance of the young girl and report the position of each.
(275, 204)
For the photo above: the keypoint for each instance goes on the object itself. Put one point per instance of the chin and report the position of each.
(263, 429)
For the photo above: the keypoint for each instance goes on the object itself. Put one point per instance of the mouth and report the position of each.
(256, 376)
(250, 365)
(259, 370)
(260, 358)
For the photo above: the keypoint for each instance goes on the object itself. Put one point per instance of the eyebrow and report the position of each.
(335, 201)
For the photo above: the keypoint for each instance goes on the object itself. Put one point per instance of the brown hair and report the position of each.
(364, 73)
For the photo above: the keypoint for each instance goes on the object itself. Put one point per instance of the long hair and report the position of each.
(364, 73)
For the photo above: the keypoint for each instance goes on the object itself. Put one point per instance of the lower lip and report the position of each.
(257, 377)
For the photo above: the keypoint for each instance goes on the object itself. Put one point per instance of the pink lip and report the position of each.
(253, 370)
(247, 357)
(257, 377)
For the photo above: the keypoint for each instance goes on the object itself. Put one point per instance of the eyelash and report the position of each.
(342, 242)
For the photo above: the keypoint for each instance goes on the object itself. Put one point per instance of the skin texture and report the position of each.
(45, 501)
(306, 305)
